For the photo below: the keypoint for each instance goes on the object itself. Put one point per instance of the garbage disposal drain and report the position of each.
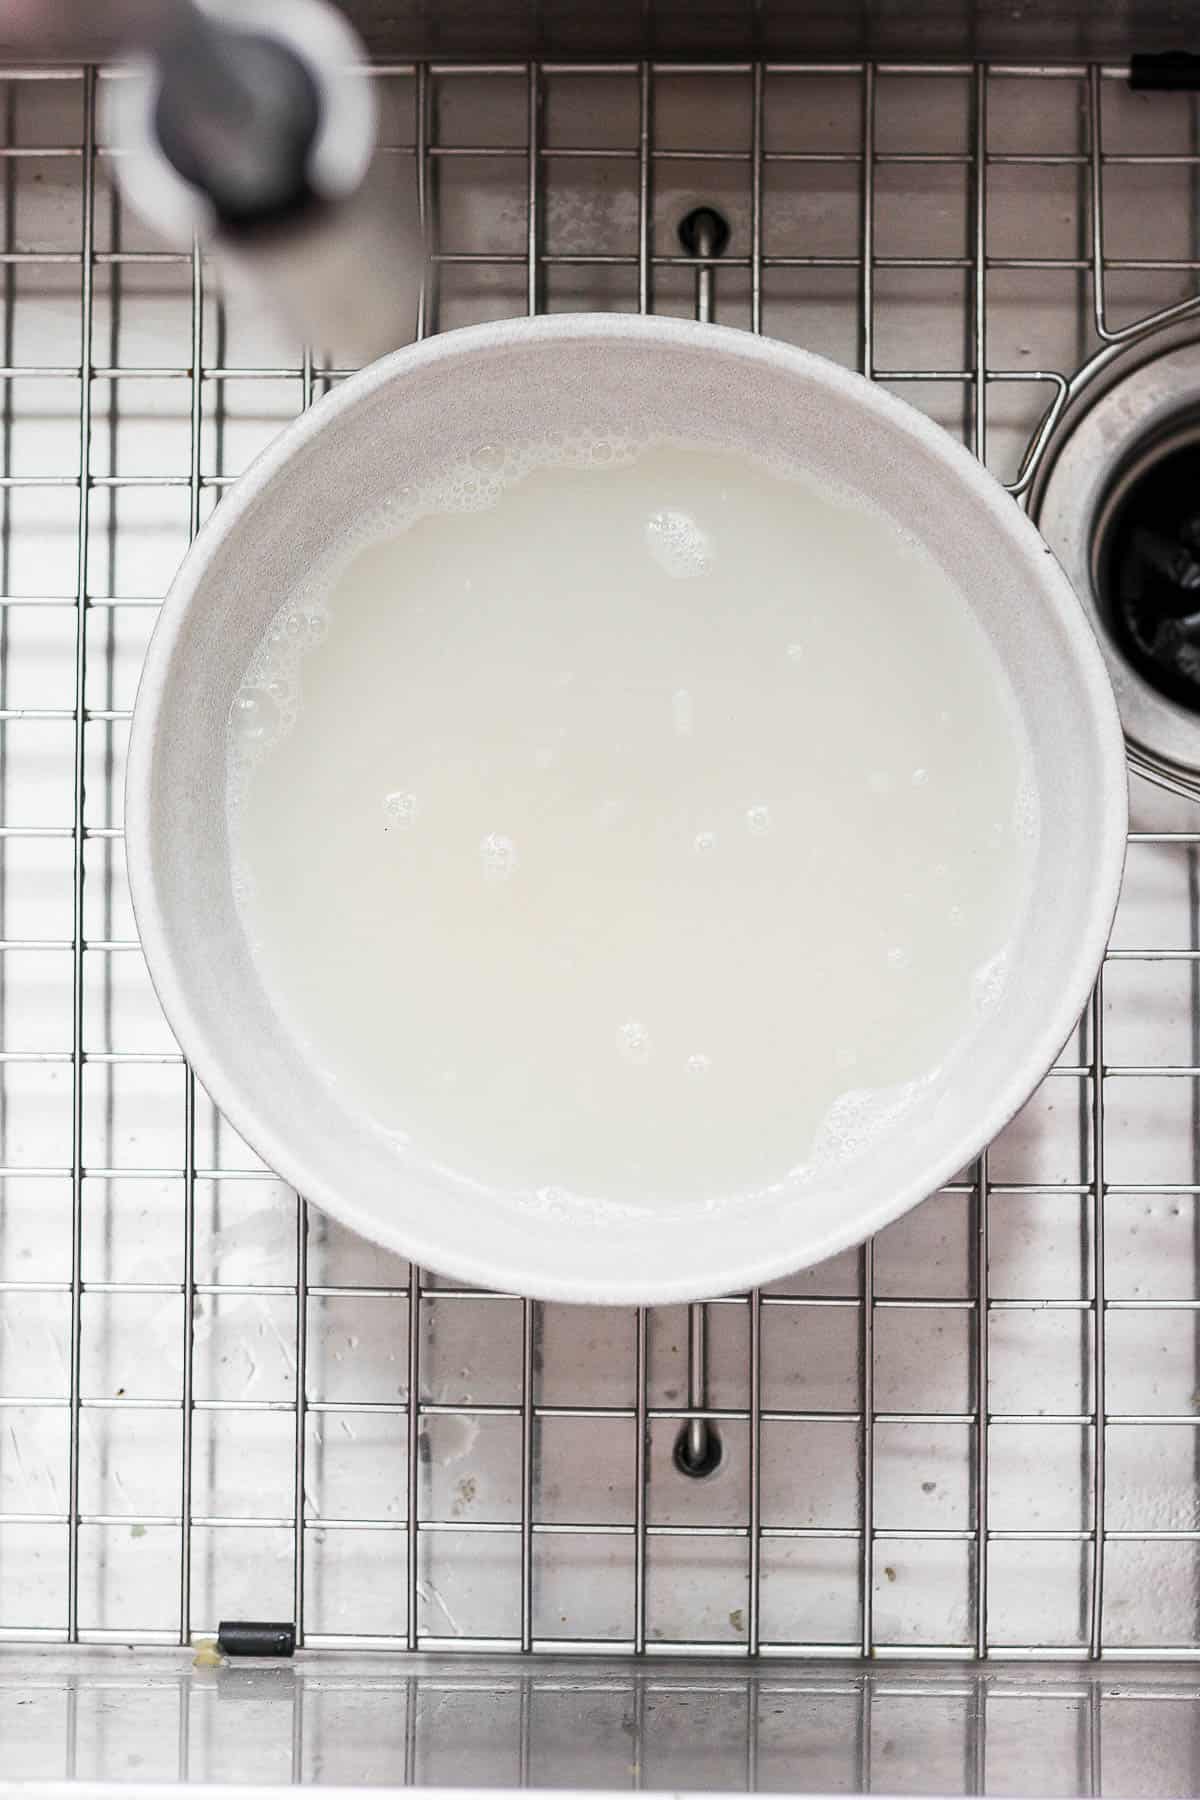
(1146, 563)
(1117, 498)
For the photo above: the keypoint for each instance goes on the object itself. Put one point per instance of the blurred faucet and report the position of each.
(250, 124)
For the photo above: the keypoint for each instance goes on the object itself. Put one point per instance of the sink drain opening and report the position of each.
(1146, 562)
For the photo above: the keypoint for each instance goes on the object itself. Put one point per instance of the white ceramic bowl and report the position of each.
(430, 405)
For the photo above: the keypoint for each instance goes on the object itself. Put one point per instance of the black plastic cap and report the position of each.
(256, 1637)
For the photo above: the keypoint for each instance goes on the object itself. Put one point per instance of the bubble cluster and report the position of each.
(267, 703)
(241, 881)
(498, 854)
(861, 1115)
(633, 1042)
(401, 809)
(255, 716)
(988, 981)
(1027, 815)
(550, 1203)
(704, 842)
(698, 1065)
(758, 821)
(553, 1202)
(476, 484)
(488, 459)
(680, 547)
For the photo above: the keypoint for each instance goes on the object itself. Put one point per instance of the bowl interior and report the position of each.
(433, 405)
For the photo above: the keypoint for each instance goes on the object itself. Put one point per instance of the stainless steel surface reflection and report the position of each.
(393, 1724)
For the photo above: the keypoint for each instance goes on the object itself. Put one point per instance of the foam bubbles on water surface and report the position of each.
(683, 712)
(489, 459)
(680, 547)
(758, 821)
(633, 1041)
(860, 1115)
(551, 1203)
(1026, 814)
(704, 843)
(477, 484)
(267, 704)
(298, 625)
(987, 983)
(242, 883)
(255, 715)
(401, 809)
(498, 855)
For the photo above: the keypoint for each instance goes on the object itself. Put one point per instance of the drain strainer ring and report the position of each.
(1116, 448)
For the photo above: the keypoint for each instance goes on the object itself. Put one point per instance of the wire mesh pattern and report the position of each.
(977, 1436)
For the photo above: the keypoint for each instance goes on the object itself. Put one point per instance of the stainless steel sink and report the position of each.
(978, 1438)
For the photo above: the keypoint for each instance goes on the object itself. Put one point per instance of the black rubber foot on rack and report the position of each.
(696, 1468)
(704, 232)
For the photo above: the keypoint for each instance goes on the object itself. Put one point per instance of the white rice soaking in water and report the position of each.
(629, 827)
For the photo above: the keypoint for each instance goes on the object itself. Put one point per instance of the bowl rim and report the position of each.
(417, 1237)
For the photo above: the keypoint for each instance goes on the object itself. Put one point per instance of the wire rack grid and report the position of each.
(975, 1437)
